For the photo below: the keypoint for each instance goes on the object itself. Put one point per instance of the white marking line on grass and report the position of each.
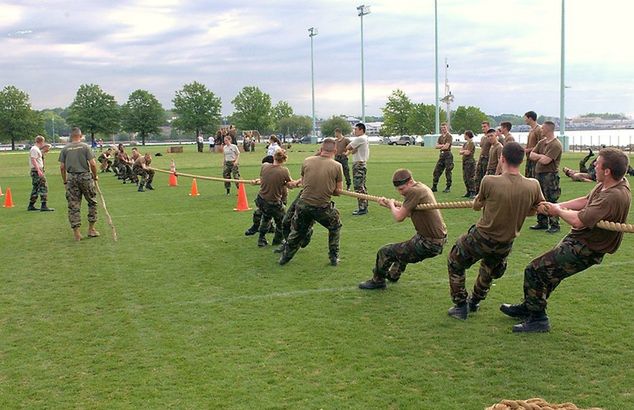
(308, 292)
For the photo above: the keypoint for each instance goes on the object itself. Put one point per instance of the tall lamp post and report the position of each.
(562, 84)
(436, 100)
(363, 10)
(312, 32)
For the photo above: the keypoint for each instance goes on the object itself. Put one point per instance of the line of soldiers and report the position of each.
(134, 168)
(505, 197)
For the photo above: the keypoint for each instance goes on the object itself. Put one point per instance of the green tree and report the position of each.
(252, 110)
(17, 119)
(281, 110)
(296, 125)
(328, 127)
(198, 109)
(467, 118)
(422, 119)
(142, 113)
(395, 114)
(94, 111)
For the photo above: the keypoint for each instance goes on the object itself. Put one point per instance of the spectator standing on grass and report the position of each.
(584, 246)
(38, 179)
(468, 164)
(494, 167)
(430, 237)
(505, 200)
(360, 149)
(341, 156)
(534, 136)
(212, 143)
(322, 177)
(483, 159)
(231, 159)
(200, 142)
(547, 154)
(79, 173)
(445, 159)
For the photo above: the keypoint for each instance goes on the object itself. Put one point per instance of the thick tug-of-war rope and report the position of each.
(103, 203)
(607, 225)
(535, 404)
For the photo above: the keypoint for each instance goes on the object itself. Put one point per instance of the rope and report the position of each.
(607, 225)
(244, 181)
(103, 203)
(420, 207)
(534, 404)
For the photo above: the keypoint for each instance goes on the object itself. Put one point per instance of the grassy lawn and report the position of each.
(184, 311)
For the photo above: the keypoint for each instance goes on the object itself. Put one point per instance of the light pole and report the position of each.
(363, 10)
(312, 32)
(562, 85)
(437, 102)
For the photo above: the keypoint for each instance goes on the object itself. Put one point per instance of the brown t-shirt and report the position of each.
(534, 136)
(612, 204)
(273, 179)
(468, 146)
(494, 158)
(444, 139)
(508, 138)
(320, 176)
(506, 200)
(429, 222)
(341, 145)
(484, 146)
(553, 150)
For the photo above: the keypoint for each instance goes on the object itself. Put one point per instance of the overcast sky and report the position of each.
(503, 54)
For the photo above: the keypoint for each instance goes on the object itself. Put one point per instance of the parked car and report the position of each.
(405, 140)
(305, 140)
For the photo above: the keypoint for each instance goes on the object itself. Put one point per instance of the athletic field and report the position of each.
(184, 311)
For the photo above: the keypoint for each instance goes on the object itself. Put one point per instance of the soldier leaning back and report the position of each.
(79, 173)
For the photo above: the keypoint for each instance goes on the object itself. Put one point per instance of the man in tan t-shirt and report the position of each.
(341, 156)
(322, 177)
(547, 155)
(534, 136)
(506, 200)
(505, 131)
(584, 246)
(431, 232)
(445, 159)
(273, 182)
(483, 159)
(495, 152)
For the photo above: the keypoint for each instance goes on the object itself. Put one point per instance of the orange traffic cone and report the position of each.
(194, 191)
(8, 200)
(173, 180)
(243, 203)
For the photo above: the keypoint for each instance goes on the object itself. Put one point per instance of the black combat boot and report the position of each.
(262, 242)
(141, 188)
(32, 207)
(459, 311)
(149, 186)
(537, 322)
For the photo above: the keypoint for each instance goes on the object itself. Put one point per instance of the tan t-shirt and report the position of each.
(553, 150)
(231, 152)
(469, 146)
(444, 139)
(429, 222)
(508, 138)
(495, 152)
(273, 179)
(341, 145)
(534, 136)
(320, 176)
(75, 157)
(612, 204)
(140, 160)
(506, 200)
(484, 146)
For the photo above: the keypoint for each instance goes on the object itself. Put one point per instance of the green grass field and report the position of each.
(184, 311)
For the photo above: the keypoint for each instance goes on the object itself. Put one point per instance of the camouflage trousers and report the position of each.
(270, 210)
(78, 186)
(303, 219)
(470, 248)
(549, 182)
(40, 187)
(481, 171)
(230, 170)
(393, 258)
(359, 172)
(529, 169)
(147, 175)
(468, 174)
(343, 160)
(445, 163)
(545, 272)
